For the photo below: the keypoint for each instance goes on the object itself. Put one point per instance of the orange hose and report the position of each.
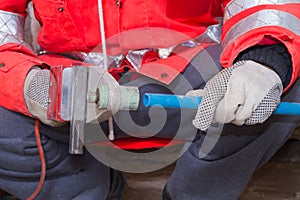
(43, 160)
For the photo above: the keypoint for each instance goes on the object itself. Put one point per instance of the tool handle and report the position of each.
(190, 102)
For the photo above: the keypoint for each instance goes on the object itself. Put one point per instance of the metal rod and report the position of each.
(102, 32)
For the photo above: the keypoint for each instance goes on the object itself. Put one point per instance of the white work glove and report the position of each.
(36, 96)
(246, 93)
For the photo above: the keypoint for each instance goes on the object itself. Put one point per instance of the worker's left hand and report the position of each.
(36, 90)
(246, 93)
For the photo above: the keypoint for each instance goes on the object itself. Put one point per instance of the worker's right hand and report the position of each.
(36, 96)
(246, 93)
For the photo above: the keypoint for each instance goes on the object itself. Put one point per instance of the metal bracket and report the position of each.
(78, 109)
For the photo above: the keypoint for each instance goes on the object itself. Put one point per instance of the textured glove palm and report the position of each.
(246, 93)
(36, 95)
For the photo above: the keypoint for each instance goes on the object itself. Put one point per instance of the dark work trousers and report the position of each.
(222, 174)
(68, 176)
(225, 171)
(228, 167)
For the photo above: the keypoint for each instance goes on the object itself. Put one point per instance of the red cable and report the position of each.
(43, 160)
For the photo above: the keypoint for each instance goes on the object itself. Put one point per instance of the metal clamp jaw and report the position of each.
(83, 94)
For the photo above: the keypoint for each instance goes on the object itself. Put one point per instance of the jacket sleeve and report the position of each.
(249, 24)
(16, 56)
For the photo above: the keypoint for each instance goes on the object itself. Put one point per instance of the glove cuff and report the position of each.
(274, 56)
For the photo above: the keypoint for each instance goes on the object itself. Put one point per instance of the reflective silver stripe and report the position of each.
(165, 52)
(11, 28)
(212, 33)
(262, 19)
(135, 57)
(93, 58)
(236, 6)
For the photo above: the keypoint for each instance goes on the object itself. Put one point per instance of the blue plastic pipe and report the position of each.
(177, 101)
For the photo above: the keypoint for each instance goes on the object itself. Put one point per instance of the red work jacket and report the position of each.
(69, 25)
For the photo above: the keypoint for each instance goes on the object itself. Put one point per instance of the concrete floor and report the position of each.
(279, 179)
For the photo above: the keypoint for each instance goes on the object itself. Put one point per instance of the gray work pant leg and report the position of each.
(68, 176)
(226, 170)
